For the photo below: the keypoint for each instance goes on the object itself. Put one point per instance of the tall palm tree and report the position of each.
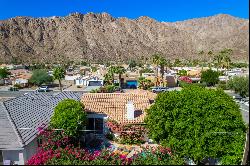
(227, 57)
(156, 58)
(218, 59)
(224, 58)
(163, 64)
(201, 54)
(59, 74)
(120, 70)
(111, 72)
(210, 54)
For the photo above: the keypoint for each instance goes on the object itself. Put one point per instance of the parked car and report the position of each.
(159, 89)
(42, 89)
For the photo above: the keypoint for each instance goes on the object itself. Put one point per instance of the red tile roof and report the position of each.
(114, 105)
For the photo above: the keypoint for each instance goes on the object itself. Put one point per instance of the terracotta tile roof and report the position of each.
(114, 105)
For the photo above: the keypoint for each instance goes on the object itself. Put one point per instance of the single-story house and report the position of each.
(22, 79)
(125, 108)
(20, 118)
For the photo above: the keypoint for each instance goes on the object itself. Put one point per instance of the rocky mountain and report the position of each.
(101, 37)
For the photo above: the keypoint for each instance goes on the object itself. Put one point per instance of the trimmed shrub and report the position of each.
(69, 115)
(197, 122)
(210, 77)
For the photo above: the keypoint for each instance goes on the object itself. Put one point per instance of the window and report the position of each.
(95, 124)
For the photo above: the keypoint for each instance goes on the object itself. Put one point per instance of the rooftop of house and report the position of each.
(20, 117)
(114, 105)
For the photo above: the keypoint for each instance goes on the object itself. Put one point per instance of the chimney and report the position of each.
(130, 110)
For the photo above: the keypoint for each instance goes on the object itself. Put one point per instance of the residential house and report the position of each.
(22, 80)
(20, 76)
(9, 67)
(128, 80)
(89, 81)
(19, 120)
(124, 108)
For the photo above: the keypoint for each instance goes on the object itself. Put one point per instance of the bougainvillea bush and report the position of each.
(185, 79)
(129, 134)
(58, 149)
(197, 123)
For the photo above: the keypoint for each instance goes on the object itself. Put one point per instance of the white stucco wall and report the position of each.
(28, 151)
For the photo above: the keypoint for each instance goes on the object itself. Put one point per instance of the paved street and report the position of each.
(244, 108)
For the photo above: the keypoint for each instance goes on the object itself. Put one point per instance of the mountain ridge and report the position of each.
(101, 37)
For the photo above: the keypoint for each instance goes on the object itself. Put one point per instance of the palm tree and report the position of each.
(59, 74)
(156, 58)
(111, 72)
(218, 59)
(210, 54)
(163, 64)
(226, 58)
(223, 58)
(120, 70)
(201, 54)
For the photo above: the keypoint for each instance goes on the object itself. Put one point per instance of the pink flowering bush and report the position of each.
(185, 79)
(57, 149)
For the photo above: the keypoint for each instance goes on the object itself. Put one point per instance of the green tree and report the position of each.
(120, 70)
(210, 54)
(4, 73)
(177, 62)
(108, 78)
(223, 59)
(132, 64)
(203, 60)
(210, 77)
(156, 59)
(197, 123)
(111, 72)
(240, 85)
(39, 77)
(93, 69)
(59, 74)
(145, 83)
(70, 116)
(163, 64)
(182, 72)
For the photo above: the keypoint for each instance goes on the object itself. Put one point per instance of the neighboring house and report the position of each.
(148, 75)
(128, 80)
(171, 80)
(71, 77)
(125, 108)
(18, 72)
(19, 120)
(22, 80)
(9, 67)
(89, 81)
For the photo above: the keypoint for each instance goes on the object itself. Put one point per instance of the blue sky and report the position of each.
(161, 10)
